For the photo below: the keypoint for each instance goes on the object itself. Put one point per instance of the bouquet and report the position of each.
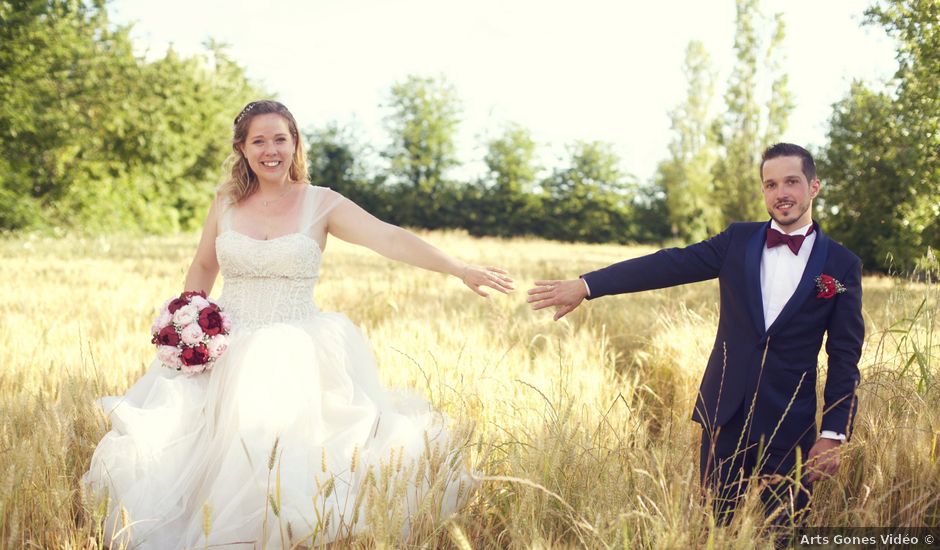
(191, 333)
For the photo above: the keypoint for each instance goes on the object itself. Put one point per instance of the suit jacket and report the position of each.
(772, 371)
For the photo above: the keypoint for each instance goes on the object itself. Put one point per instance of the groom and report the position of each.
(784, 285)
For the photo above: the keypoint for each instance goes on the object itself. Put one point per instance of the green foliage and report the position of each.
(863, 203)
(650, 216)
(507, 204)
(591, 200)
(336, 160)
(711, 176)
(747, 128)
(98, 139)
(686, 176)
(882, 163)
(424, 113)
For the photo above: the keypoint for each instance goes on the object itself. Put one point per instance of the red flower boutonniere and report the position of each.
(828, 286)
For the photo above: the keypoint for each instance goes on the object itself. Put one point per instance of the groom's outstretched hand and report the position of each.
(565, 296)
(823, 459)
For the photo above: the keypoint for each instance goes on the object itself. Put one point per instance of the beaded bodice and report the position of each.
(267, 281)
(272, 281)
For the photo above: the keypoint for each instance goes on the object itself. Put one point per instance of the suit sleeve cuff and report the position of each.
(829, 434)
(586, 287)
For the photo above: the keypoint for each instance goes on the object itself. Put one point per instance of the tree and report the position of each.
(97, 139)
(686, 177)
(507, 204)
(590, 200)
(423, 118)
(51, 55)
(747, 129)
(336, 160)
(882, 163)
(863, 201)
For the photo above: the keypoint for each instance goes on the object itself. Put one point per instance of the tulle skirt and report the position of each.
(289, 439)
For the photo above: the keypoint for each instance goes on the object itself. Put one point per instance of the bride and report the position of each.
(291, 437)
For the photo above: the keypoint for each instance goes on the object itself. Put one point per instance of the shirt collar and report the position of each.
(801, 231)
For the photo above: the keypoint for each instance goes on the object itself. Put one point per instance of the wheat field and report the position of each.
(579, 428)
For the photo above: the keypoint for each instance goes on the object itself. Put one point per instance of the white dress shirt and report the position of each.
(780, 273)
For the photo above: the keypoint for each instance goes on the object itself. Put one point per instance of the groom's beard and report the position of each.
(783, 223)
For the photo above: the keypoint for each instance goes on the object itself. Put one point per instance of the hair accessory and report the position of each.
(244, 112)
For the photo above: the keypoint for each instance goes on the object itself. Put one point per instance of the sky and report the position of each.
(588, 70)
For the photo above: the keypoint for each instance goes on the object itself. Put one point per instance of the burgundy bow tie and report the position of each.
(776, 238)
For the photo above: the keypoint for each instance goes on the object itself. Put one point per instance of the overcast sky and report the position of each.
(592, 69)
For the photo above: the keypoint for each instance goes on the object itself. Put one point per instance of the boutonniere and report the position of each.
(828, 286)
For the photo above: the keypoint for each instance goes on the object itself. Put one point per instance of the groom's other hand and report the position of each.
(823, 460)
(565, 296)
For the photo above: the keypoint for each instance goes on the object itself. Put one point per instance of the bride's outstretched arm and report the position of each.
(353, 224)
(205, 267)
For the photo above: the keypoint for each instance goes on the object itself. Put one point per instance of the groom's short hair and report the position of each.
(789, 150)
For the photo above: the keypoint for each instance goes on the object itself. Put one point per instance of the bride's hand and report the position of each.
(475, 277)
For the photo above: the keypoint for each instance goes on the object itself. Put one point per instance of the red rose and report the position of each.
(167, 336)
(177, 303)
(198, 355)
(827, 287)
(210, 320)
(183, 299)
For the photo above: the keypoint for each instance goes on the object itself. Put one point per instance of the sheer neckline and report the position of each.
(279, 237)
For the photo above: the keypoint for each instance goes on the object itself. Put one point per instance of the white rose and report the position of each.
(185, 315)
(200, 302)
(192, 334)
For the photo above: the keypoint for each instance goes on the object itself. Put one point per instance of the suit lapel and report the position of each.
(752, 257)
(814, 267)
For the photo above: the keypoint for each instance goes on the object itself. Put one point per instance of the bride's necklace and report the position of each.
(266, 202)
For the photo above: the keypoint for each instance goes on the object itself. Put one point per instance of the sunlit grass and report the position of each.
(581, 428)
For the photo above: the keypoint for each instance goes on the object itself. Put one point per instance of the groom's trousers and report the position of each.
(729, 463)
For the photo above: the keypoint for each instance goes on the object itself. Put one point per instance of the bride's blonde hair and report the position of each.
(242, 181)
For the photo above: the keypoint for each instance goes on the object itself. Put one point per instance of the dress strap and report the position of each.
(225, 216)
(318, 203)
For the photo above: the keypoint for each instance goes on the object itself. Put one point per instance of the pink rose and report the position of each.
(217, 346)
(191, 334)
(185, 315)
(169, 356)
(162, 320)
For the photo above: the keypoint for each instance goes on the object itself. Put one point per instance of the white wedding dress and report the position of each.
(296, 384)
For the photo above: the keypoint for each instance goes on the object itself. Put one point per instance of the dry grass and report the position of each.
(581, 426)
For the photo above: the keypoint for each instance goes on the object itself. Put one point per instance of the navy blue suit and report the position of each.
(769, 372)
